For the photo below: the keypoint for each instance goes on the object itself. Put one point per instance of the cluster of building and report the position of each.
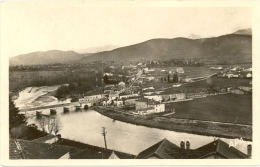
(55, 147)
(139, 104)
(138, 93)
(235, 72)
(127, 73)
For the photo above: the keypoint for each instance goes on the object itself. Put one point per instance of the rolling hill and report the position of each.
(230, 49)
(47, 57)
(227, 49)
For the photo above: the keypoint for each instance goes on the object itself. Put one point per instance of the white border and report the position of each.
(254, 4)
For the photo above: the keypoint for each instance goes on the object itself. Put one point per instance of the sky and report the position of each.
(28, 26)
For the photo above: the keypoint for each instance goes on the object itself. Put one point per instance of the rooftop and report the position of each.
(164, 149)
(86, 151)
(24, 149)
(221, 148)
(44, 138)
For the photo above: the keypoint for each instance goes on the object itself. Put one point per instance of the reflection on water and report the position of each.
(87, 126)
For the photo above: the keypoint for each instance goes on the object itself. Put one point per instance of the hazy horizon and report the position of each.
(31, 26)
(97, 49)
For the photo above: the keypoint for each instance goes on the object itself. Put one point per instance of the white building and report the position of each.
(176, 96)
(149, 106)
(121, 84)
(130, 101)
(128, 96)
(154, 97)
(249, 75)
(113, 96)
(180, 70)
(92, 98)
(118, 103)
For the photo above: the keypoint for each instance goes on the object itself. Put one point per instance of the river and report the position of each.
(86, 127)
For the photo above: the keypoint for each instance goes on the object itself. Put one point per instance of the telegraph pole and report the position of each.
(104, 132)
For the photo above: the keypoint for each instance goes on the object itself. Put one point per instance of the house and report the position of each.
(249, 75)
(113, 96)
(94, 152)
(180, 70)
(126, 96)
(92, 99)
(148, 93)
(148, 88)
(130, 101)
(24, 149)
(150, 78)
(119, 103)
(121, 84)
(159, 108)
(245, 88)
(62, 149)
(149, 106)
(165, 149)
(217, 149)
(50, 139)
(176, 96)
(154, 97)
(145, 69)
(144, 111)
(145, 103)
(249, 69)
(237, 91)
(229, 75)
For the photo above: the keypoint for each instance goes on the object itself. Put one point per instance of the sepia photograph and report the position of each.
(127, 80)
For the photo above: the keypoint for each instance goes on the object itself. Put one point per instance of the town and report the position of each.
(153, 97)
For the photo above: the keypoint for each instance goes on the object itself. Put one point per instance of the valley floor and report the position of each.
(218, 129)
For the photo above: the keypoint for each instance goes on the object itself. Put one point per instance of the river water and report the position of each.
(86, 127)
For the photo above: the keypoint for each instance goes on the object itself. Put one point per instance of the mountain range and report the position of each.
(226, 49)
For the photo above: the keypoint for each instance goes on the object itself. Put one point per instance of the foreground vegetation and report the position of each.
(18, 127)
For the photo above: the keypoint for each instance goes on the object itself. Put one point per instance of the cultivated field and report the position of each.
(212, 82)
(229, 108)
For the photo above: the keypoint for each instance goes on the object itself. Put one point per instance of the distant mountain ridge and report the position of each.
(47, 57)
(97, 49)
(226, 49)
(244, 32)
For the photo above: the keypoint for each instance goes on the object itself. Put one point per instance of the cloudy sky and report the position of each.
(29, 26)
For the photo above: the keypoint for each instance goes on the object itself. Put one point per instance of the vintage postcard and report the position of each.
(119, 82)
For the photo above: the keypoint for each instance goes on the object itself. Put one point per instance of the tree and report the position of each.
(42, 123)
(57, 126)
(175, 78)
(15, 119)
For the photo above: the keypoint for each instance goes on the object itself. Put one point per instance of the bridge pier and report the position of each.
(53, 112)
(78, 108)
(86, 107)
(66, 110)
(38, 115)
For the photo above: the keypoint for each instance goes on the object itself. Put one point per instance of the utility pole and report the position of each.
(104, 132)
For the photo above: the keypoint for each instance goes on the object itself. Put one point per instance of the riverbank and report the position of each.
(181, 125)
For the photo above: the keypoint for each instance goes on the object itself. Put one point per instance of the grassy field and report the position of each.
(191, 72)
(222, 108)
(212, 82)
(181, 125)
